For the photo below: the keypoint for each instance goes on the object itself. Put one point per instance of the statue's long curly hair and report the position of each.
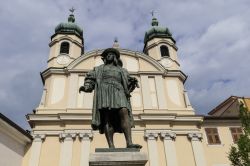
(116, 61)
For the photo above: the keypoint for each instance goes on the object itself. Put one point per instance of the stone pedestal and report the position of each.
(121, 157)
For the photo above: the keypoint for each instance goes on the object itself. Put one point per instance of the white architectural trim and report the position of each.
(145, 92)
(73, 90)
(67, 148)
(160, 92)
(36, 149)
(198, 151)
(169, 146)
(85, 138)
(186, 98)
(152, 147)
(43, 99)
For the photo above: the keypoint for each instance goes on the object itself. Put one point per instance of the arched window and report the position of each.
(164, 51)
(64, 48)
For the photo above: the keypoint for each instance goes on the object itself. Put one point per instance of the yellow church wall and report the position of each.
(47, 87)
(87, 64)
(184, 126)
(99, 141)
(153, 53)
(184, 151)
(174, 93)
(57, 94)
(157, 125)
(144, 66)
(52, 53)
(78, 125)
(50, 151)
(47, 126)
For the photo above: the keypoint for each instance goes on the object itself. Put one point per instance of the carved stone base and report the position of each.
(120, 157)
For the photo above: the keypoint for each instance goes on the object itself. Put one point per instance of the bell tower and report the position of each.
(67, 43)
(160, 45)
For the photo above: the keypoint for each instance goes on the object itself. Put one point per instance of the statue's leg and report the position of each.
(125, 124)
(108, 130)
(126, 127)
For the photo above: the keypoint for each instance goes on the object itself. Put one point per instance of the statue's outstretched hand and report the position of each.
(133, 83)
(82, 88)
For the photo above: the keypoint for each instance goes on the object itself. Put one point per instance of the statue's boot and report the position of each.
(137, 146)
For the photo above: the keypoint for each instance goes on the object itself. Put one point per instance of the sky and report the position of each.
(213, 40)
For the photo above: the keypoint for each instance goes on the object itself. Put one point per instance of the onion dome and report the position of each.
(69, 27)
(157, 32)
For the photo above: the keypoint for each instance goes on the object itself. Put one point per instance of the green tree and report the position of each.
(239, 154)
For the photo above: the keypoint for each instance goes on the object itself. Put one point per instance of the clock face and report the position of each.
(63, 59)
(166, 63)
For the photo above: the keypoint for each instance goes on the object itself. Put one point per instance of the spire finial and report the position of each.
(71, 17)
(154, 20)
(153, 13)
(116, 44)
(72, 10)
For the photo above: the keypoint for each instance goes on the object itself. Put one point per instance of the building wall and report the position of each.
(217, 154)
(13, 144)
(11, 151)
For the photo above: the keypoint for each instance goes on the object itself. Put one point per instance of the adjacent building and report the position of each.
(14, 142)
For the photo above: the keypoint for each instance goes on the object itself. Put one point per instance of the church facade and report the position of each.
(165, 122)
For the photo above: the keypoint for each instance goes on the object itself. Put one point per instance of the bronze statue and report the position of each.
(111, 106)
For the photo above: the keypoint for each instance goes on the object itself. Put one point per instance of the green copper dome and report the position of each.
(69, 27)
(157, 31)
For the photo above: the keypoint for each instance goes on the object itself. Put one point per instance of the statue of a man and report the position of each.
(111, 107)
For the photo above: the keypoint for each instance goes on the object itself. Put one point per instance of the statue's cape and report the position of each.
(97, 74)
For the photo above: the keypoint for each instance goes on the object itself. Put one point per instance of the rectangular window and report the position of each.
(212, 136)
(236, 133)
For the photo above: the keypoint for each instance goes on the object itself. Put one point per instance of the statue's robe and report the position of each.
(93, 81)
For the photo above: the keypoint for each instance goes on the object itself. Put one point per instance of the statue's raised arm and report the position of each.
(89, 82)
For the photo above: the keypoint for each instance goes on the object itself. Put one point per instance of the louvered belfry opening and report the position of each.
(64, 49)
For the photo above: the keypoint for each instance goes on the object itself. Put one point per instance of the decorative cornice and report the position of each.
(194, 136)
(65, 37)
(86, 116)
(168, 135)
(151, 135)
(154, 44)
(38, 137)
(86, 135)
(67, 136)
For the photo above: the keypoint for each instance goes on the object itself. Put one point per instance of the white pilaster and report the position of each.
(66, 149)
(73, 90)
(36, 149)
(199, 156)
(169, 146)
(152, 148)
(188, 104)
(85, 138)
(145, 92)
(43, 99)
(160, 92)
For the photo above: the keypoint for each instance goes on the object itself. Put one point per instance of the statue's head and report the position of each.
(111, 55)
